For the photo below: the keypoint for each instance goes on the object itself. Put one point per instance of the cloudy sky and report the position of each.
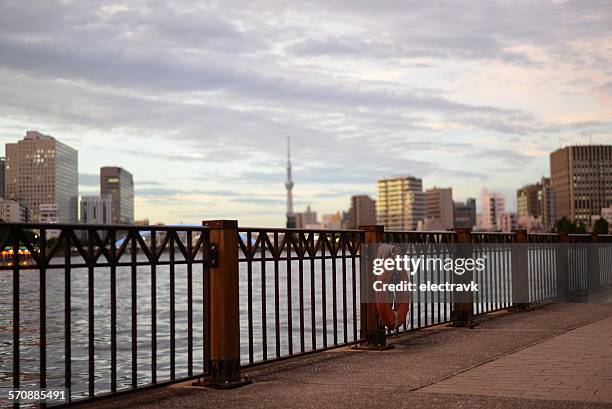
(196, 99)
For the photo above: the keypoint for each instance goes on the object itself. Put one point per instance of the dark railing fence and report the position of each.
(100, 310)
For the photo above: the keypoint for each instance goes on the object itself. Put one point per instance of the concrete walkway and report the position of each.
(555, 356)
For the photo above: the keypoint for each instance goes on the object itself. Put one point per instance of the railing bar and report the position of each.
(171, 244)
(43, 309)
(205, 246)
(354, 298)
(67, 319)
(90, 313)
(264, 327)
(289, 296)
(134, 308)
(113, 323)
(153, 308)
(276, 300)
(344, 241)
(313, 305)
(334, 290)
(250, 296)
(190, 304)
(323, 293)
(16, 318)
(301, 289)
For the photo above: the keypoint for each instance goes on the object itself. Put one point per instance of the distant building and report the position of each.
(49, 213)
(308, 217)
(508, 221)
(11, 211)
(493, 205)
(96, 209)
(119, 185)
(465, 214)
(362, 212)
(332, 221)
(401, 203)
(581, 177)
(535, 205)
(143, 222)
(2, 176)
(40, 170)
(439, 208)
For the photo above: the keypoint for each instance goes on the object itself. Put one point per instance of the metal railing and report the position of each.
(299, 291)
(91, 297)
(100, 310)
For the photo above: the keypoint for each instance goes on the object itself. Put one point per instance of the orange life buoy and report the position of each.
(392, 307)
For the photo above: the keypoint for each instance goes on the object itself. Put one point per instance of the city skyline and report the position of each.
(197, 100)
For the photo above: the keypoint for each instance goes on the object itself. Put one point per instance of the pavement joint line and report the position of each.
(515, 351)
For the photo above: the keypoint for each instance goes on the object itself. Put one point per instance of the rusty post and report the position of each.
(520, 271)
(372, 332)
(563, 268)
(224, 308)
(462, 312)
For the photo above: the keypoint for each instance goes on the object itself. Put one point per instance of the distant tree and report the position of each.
(580, 228)
(564, 225)
(601, 226)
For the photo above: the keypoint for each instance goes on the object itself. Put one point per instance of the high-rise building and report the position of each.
(362, 211)
(40, 170)
(465, 214)
(547, 204)
(2, 176)
(401, 203)
(535, 205)
(439, 208)
(581, 177)
(119, 185)
(96, 209)
(493, 205)
(12, 211)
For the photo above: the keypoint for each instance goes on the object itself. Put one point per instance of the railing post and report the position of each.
(372, 332)
(593, 275)
(520, 271)
(224, 308)
(462, 312)
(563, 268)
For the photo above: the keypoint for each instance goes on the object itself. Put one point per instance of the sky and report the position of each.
(197, 98)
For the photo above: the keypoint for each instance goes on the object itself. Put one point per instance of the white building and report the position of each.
(493, 205)
(508, 221)
(96, 209)
(11, 211)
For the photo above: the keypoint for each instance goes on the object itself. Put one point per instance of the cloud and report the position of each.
(197, 98)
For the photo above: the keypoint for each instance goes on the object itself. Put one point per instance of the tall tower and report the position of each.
(289, 185)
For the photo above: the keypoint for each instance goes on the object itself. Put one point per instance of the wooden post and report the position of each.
(593, 275)
(224, 309)
(520, 271)
(462, 312)
(563, 268)
(372, 332)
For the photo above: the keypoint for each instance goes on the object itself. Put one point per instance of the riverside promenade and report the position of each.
(555, 356)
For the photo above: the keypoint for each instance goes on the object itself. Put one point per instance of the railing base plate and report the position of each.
(208, 383)
(367, 347)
